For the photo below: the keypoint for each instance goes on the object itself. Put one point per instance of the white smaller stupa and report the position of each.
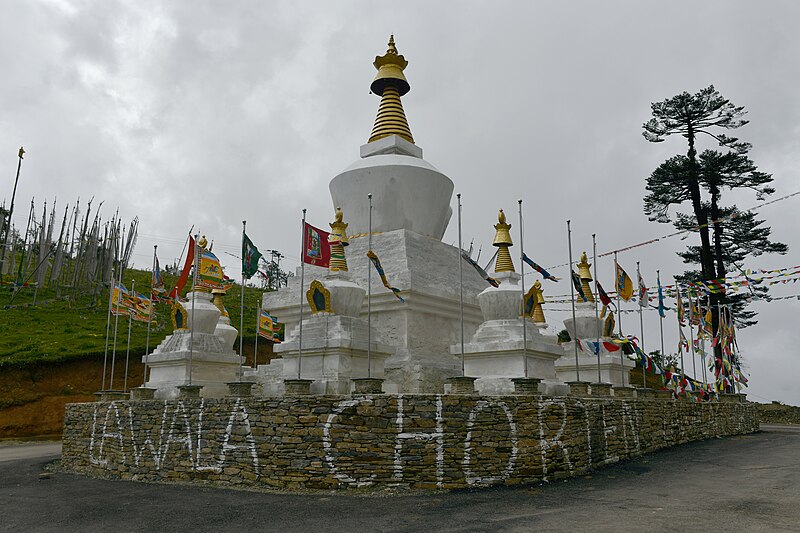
(200, 350)
(501, 350)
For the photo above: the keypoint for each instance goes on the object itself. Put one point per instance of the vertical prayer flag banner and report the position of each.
(316, 247)
(377, 264)
(142, 307)
(661, 309)
(250, 257)
(187, 267)
(624, 283)
(679, 305)
(604, 299)
(265, 325)
(157, 283)
(538, 269)
(493, 282)
(278, 331)
(643, 296)
(576, 281)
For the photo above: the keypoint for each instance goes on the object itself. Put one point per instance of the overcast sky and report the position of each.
(209, 113)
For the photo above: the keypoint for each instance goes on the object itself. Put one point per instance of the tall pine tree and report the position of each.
(724, 242)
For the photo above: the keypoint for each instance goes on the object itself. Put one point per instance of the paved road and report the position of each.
(15, 452)
(747, 483)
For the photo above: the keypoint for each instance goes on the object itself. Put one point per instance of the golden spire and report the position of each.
(538, 300)
(586, 276)
(502, 239)
(217, 300)
(390, 84)
(338, 240)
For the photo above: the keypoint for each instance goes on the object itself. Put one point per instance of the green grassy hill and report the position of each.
(59, 329)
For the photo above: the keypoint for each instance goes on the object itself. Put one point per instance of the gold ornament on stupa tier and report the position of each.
(536, 294)
(202, 245)
(586, 276)
(217, 300)
(338, 240)
(390, 84)
(502, 239)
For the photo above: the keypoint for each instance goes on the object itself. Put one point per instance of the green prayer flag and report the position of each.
(250, 257)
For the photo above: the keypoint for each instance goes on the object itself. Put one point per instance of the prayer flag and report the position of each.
(624, 283)
(679, 305)
(316, 247)
(157, 283)
(377, 263)
(604, 299)
(643, 296)
(661, 309)
(187, 267)
(493, 282)
(250, 257)
(210, 274)
(265, 325)
(538, 269)
(576, 281)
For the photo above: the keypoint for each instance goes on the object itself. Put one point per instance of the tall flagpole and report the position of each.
(116, 326)
(572, 292)
(460, 285)
(258, 330)
(194, 288)
(691, 335)
(302, 282)
(369, 291)
(680, 330)
(641, 327)
(522, 289)
(128, 349)
(619, 318)
(241, 312)
(108, 323)
(149, 317)
(661, 323)
(597, 295)
(11, 213)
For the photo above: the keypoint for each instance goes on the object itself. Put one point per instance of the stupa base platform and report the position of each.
(613, 370)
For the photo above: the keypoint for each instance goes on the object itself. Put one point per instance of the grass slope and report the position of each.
(56, 330)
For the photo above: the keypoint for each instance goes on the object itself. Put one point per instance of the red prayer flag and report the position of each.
(187, 267)
(316, 248)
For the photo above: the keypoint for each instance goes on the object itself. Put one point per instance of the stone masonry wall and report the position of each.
(419, 441)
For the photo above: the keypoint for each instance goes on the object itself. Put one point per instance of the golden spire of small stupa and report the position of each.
(538, 301)
(338, 240)
(390, 84)
(502, 239)
(586, 276)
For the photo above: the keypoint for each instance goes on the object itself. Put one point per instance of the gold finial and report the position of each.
(203, 242)
(218, 294)
(586, 276)
(21, 152)
(502, 239)
(533, 303)
(338, 240)
(390, 84)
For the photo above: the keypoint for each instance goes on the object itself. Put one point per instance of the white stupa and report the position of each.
(411, 210)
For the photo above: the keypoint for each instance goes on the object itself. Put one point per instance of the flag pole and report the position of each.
(108, 324)
(691, 335)
(572, 293)
(114, 350)
(680, 330)
(194, 287)
(258, 330)
(128, 349)
(460, 286)
(369, 291)
(703, 345)
(597, 295)
(522, 289)
(619, 318)
(241, 312)
(661, 324)
(149, 317)
(641, 326)
(11, 213)
(302, 282)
